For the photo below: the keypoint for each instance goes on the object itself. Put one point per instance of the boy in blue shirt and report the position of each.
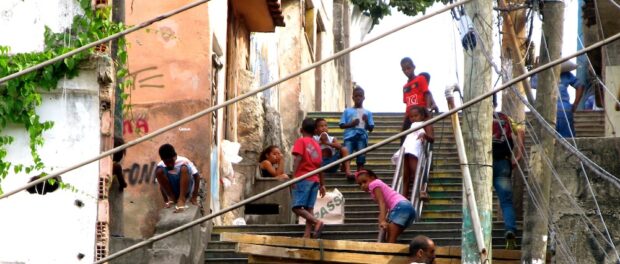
(356, 121)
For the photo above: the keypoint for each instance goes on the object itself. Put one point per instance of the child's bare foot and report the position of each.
(318, 229)
(179, 209)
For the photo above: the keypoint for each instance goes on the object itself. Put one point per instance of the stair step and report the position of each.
(237, 260)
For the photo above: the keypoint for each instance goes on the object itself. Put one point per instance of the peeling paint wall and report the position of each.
(51, 228)
(584, 243)
(22, 23)
(170, 65)
(34, 224)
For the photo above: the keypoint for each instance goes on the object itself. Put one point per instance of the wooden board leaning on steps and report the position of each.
(278, 249)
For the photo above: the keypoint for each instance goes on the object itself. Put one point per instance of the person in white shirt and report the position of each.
(178, 179)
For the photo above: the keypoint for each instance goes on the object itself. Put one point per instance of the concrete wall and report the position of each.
(170, 64)
(51, 228)
(581, 241)
(256, 59)
(82, 127)
(22, 23)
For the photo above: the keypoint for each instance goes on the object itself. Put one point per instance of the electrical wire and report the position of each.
(568, 122)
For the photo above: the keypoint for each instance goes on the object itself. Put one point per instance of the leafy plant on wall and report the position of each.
(377, 9)
(19, 97)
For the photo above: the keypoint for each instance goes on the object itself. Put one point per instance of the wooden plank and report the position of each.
(498, 254)
(252, 259)
(385, 248)
(315, 255)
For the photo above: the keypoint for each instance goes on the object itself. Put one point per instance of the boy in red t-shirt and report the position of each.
(307, 154)
(415, 92)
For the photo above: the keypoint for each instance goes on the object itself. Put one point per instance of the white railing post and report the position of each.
(468, 187)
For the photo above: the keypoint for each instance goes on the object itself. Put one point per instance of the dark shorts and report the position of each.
(402, 214)
(329, 160)
(304, 194)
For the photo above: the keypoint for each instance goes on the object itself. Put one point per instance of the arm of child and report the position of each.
(383, 224)
(370, 122)
(578, 95)
(428, 134)
(194, 199)
(335, 144)
(296, 162)
(266, 165)
(321, 185)
(430, 101)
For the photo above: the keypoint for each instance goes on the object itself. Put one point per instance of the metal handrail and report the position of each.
(421, 177)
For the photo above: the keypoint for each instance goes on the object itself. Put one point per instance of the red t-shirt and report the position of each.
(413, 92)
(310, 153)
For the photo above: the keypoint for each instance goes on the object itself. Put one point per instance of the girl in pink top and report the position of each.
(395, 212)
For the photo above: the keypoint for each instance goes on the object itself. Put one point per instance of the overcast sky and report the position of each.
(434, 45)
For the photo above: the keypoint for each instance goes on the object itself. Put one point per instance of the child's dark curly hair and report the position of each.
(263, 155)
(308, 125)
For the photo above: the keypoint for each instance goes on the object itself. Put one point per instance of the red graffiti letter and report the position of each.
(127, 127)
(142, 125)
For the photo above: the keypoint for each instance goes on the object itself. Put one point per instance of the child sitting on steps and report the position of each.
(331, 149)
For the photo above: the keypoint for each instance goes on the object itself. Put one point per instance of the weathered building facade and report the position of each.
(599, 21)
(70, 224)
(300, 33)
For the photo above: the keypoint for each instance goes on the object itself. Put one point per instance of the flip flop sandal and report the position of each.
(318, 231)
(168, 204)
(179, 209)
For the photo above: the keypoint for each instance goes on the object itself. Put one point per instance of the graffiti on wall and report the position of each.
(139, 125)
(140, 173)
(147, 77)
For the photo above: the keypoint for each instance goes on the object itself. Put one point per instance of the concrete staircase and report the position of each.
(441, 217)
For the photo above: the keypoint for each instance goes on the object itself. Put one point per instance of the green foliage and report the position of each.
(377, 9)
(19, 97)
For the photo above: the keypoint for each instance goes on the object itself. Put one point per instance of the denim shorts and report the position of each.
(304, 194)
(402, 214)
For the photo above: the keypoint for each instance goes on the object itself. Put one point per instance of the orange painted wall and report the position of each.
(175, 52)
(170, 64)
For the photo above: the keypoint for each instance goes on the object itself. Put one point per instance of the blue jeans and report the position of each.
(502, 170)
(564, 123)
(356, 143)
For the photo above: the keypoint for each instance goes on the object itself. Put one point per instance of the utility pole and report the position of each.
(536, 227)
(512, 53)
(477, 121)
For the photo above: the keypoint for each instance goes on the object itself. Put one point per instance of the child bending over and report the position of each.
(414, 147)
(395, 212)
(307, 158)
(331, 149)
(271, 163)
